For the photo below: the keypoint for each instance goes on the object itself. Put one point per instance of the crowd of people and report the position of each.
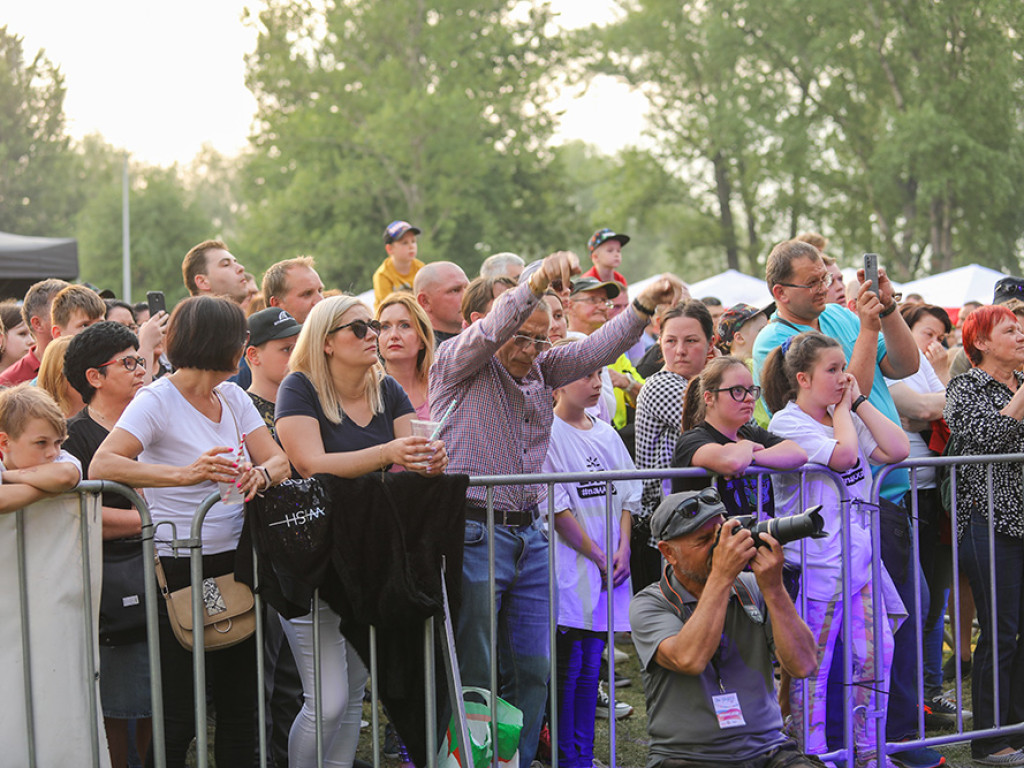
(547, 368)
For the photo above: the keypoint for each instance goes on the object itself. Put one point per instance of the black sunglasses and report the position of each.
(689, 508)
(739, 392)
(359, 328)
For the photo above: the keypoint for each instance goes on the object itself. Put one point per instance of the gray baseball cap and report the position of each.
(683, 513)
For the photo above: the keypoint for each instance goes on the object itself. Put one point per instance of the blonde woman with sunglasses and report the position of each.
(338, 413)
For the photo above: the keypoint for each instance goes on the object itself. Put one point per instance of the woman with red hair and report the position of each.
(984, 410)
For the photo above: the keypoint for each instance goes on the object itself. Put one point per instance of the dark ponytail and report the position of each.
(710, 378)
(797, 354)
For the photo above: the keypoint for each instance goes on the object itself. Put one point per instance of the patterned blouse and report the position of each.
(973, 402)
(659, 423)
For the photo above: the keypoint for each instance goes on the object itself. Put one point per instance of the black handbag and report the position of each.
(290, 523)
(123, 598)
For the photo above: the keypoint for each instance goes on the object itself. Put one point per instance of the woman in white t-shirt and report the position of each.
(178, 438)
(818, 405)
(582, 443)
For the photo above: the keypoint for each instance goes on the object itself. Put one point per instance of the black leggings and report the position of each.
(230, 678)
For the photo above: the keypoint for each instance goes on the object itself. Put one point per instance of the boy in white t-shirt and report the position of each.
(583, 558)
(32, 429)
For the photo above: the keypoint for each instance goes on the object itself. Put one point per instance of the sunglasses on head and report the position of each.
(359, 328)
(689, 508)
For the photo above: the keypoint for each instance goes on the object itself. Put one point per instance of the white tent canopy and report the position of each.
(953, 288)
(731, 287)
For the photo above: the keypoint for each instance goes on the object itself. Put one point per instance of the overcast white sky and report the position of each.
(161, 79)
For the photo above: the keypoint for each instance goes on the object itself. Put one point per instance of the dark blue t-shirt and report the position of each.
(297, 397)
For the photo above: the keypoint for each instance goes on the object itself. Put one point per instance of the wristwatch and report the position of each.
(857, 403)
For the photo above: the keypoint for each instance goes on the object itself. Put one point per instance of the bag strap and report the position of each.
(161, 580)
(226, 404)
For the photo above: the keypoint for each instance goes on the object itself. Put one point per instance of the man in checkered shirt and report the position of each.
(502, 372)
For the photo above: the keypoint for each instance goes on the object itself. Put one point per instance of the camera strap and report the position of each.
(742, 593)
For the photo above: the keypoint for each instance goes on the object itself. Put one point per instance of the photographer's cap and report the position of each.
(683, 513)
(1008, 288)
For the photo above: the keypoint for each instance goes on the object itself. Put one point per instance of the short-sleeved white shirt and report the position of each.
(923, 382)
(582, 602)
(822, 577)
(173, 432)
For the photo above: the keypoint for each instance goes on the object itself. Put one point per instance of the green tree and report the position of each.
(690, 63)
(889, 126)
(633, 193)
(165, 223)
(914, 122)
(36, 163)
(372, 111)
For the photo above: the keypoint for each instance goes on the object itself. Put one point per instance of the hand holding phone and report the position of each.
(156, 301)
(871, 271)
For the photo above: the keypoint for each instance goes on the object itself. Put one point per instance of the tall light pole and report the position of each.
(126, 255)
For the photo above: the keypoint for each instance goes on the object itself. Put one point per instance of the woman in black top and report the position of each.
(102, 364)
(984, 410)
(719, 435)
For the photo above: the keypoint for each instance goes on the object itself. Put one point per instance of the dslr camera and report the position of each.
(810, 524)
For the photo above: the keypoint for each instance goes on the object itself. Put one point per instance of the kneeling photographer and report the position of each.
(706, 633)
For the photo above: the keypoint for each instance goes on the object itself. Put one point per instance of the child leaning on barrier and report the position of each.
(583, 559)
(34, 467)
(818, 405)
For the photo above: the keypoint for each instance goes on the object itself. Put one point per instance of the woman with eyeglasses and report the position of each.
(818, 405)
(179, 438)
(338, 413)
(719, 436)
(102, 364)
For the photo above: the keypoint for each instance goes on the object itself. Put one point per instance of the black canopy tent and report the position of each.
(26, 260)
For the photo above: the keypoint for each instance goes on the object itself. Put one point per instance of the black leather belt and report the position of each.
(502, 517)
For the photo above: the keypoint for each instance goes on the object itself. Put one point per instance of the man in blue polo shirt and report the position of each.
(877, 343)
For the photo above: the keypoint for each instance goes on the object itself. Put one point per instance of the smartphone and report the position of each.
(156, 302)
(871, 270)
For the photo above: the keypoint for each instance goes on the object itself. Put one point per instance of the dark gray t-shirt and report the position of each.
(297, 397)
(681, 718)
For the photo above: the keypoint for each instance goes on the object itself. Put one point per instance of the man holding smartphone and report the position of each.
(877, 343)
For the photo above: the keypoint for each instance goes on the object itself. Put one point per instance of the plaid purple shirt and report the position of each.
(502, 425)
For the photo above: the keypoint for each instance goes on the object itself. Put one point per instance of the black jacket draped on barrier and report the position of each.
(378, 563)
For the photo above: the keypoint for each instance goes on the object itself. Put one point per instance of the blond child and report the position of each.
(32, 430)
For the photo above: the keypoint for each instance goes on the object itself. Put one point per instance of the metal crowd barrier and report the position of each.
(194, 545)
(914, 465)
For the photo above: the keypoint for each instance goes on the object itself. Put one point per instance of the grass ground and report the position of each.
(631, 733)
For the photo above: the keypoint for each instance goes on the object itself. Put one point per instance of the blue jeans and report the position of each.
(579, 664)
(1009, 608)
(901, 716)
(524, 654)
(937, 569)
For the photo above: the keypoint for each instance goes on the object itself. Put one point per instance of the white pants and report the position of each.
(341, 692)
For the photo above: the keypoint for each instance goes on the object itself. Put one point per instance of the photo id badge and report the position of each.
(727, 710)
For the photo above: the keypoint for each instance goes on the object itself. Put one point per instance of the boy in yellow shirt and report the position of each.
(397, 271)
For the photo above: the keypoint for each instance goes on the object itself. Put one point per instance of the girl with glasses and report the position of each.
(338, 413)
(819, 406)
(720, 437)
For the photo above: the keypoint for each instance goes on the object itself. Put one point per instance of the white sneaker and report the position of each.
(622, 709)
